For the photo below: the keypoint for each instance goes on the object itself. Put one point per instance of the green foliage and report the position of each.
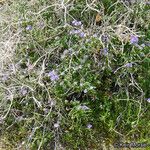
(101, 82)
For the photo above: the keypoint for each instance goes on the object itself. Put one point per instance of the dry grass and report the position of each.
(8, 41)
(9, 35)
(4, 145)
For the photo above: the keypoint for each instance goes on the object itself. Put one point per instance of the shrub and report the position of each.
(74, 81)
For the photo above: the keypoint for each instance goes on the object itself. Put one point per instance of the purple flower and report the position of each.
(128, 65)
(133, 39)
(5, 78)
(83, 107)
(95, 35)
(85, 91)
(104, 38)
(89, 126)
(74, 31)
(56, 125)
(147, 44)
(148, 3)
(143, 45)
(148, 100)
(77, 32)
(41, 24)
(53, 75)
(51, 102)
(104, 51)
(76, 23)
(82, 34)
(24, 91)
(29, 27)
(71, 32)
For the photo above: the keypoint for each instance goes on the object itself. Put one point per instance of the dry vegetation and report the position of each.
(74, 74)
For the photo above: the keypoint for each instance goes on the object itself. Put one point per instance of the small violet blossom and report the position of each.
(83, 107)
(148, 100)
(104, 51)
(41, 24)
(147, 3)
(104, 38)
(76, 23)
(53, 75)
(134, 39)
(128, 65)
(74, 31)
(147, 44)
(82, 34)
(29, 27)
(95, 35)
(56, 125)
(89, 126)
(143, 45)
(78, 32)
(30, 67)
(24, 91)
(5, 78)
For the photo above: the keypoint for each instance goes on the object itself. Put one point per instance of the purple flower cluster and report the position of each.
(76, 23)
(82, 34)
(134, 39)
(78, 32)
(53, 75)
(29, 27)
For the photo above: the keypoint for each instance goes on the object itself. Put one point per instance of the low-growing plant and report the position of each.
(75, 82)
